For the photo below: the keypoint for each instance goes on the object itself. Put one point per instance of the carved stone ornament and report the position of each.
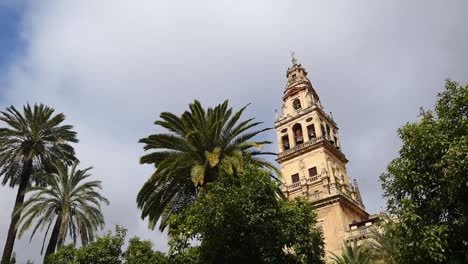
(324, 172)
(308, 99)
(301, 164)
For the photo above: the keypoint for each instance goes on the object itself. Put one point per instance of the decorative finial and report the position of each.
(293, 58)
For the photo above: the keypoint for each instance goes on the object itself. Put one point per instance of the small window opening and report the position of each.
(296, 104)
(285, 142)
(313, 171)
(295, 178)
(298, 138)
(311, 131)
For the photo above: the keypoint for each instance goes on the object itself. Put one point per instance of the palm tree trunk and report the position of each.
(53, 238)
(24, 182)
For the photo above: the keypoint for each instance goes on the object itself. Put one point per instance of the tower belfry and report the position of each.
(312, 161)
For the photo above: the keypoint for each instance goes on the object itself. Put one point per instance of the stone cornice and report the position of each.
(305, 111)
(297, 86)
(343, 201)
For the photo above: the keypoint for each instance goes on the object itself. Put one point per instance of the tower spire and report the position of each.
(358, 193)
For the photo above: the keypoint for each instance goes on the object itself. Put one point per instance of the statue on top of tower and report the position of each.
(293, 58)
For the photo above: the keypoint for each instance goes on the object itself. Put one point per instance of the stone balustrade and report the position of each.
(298, 185)
(301, 146)
(294, 186)
(359, 233)
(313, 179)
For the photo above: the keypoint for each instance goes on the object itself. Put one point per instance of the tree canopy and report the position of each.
(67, 199)
(242, 220)
(201, 144)
(351, 254)
(30, 142)
(107, 249)
(427, 184)
(141, 252)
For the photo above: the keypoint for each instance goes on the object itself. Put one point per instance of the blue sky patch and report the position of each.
(10, 44)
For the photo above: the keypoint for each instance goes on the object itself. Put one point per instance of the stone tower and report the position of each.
(313, 163)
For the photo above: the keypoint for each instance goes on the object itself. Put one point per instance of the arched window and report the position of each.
(297, 104)
(298, 137)
(311, 131)
(285, 142)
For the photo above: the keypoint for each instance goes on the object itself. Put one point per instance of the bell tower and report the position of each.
(312, 161)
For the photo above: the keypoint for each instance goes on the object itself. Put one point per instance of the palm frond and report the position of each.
(67, 197)
(37, 134)
(200, 146)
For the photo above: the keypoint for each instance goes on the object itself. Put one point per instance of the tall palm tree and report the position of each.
(29, 142)
(200, 146)
(352, 255)
(67, 198)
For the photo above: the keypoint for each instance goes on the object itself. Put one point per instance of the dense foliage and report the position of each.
(108, 250)
(29, 143)
(66, 199)
(242, 220)
(383, 248)
(200, 145)
(351, 254)
(141, 252)
(427, 185)
(105, 250)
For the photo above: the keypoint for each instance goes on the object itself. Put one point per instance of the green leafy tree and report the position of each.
(106, 249)
(353, 255)
(427, 185)
(242, 220)
(200, 144)
(141, 252)
(69, 200)
(186, 255)
(29, 142)
(65, 255)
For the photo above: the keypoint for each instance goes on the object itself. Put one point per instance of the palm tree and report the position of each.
(352, 255)
(383, 247)
(200, 146)
(29, 142)
(75, 206)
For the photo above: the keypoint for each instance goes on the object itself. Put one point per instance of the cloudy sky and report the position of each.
(113, 66)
